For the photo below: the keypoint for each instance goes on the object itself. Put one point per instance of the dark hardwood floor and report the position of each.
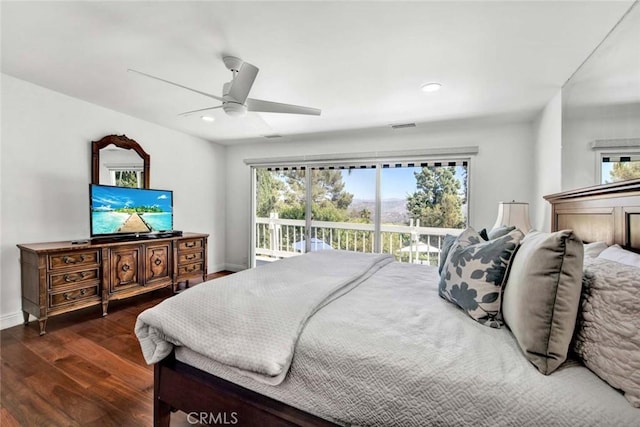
(87, 370)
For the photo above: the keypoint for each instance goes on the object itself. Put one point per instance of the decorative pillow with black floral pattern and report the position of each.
(447, 244)
(475, 272)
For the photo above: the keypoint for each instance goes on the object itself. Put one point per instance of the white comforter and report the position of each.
(252, 320)
(393, 353)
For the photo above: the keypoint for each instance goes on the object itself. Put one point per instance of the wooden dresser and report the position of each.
(59, 277)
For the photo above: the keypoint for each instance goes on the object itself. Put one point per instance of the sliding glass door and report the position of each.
(343, 208)
(404, 209)
(280, 213)
(419, 205)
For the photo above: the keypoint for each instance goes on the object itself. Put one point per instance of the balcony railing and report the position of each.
(281, 238)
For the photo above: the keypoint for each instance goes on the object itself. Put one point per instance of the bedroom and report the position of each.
(50, 158)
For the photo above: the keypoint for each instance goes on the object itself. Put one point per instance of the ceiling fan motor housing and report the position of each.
(225, 89)
(230, 105)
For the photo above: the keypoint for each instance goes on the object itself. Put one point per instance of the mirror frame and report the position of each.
(120, 141)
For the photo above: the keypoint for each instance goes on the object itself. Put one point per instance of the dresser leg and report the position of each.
(43, 326)
(25, 315)
(105, 305)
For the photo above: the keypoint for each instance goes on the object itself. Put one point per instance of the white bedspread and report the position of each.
(393, 353)
(252, 320)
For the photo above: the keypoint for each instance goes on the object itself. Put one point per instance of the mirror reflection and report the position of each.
(120, 161)
(601, 111)
(121, 167)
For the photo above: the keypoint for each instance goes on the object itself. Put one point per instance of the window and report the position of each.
(126, 178)
(617, 159)
(401, 208)
(619, 167)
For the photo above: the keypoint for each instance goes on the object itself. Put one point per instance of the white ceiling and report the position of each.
(362, 63)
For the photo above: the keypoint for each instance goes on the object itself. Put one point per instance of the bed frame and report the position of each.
(178, 386)
(609, 213)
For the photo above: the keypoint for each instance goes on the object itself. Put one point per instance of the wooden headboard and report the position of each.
(608, 212)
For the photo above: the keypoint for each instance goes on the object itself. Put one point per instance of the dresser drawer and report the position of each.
(73, 259)
(190, 258)
(74, 278)
(190, 244)
(69, 297)
(190, 269)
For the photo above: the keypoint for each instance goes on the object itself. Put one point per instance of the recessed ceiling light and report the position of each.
(207, 118)
(431, 87)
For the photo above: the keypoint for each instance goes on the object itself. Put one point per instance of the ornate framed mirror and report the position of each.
(118, 160)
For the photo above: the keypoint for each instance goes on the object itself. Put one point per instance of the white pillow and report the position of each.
(623, 256)
(592, 250)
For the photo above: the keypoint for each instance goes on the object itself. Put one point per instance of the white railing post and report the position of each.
(274, 229)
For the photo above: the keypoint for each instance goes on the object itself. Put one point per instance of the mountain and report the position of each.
(394, 211)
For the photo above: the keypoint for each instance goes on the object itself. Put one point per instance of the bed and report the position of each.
(370, 354)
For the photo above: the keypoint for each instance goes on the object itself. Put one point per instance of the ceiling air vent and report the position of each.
(403, 125)
(273, 136)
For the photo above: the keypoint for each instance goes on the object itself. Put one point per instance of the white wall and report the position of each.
(46, 155)
(502, 171)
(547, 161)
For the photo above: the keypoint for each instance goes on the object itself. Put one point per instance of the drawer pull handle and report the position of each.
(190, 244)
(192, 256)
(71, 260)
(192, 268)
(68, 278)
(126, 268)
(68, 296)
(158, 261)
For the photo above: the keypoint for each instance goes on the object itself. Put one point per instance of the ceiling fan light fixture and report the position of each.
(431, 87)
(207, 118)
(234, 109)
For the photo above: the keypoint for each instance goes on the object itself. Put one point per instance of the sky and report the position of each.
(396, 183)
(605, 175)
(119, 197)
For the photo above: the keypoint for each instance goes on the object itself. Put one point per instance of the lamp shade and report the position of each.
(513, 213)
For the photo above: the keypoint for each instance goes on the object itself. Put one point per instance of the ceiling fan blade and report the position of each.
(178, 85)
(242, 82)
(261, 106)
(186, 113)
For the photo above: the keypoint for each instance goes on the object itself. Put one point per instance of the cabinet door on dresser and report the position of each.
(158, 263)
(125, 267)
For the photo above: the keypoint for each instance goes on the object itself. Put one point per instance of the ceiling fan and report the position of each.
(234, 93)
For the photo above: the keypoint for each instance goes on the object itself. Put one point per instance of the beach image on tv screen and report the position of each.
(130, 210)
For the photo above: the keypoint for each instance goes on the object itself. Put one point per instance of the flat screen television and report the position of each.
(124, 211)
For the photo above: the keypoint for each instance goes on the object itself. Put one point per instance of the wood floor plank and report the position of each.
(6, 419)
(126, 346)
(136, 406)
(135, 375)
(52, 348)
(68, 396)
(26, 406)
(20, 359)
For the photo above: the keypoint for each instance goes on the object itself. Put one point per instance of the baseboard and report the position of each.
(235, 267)
(11, 320)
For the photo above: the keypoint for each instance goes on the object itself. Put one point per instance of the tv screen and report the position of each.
(124, 210)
